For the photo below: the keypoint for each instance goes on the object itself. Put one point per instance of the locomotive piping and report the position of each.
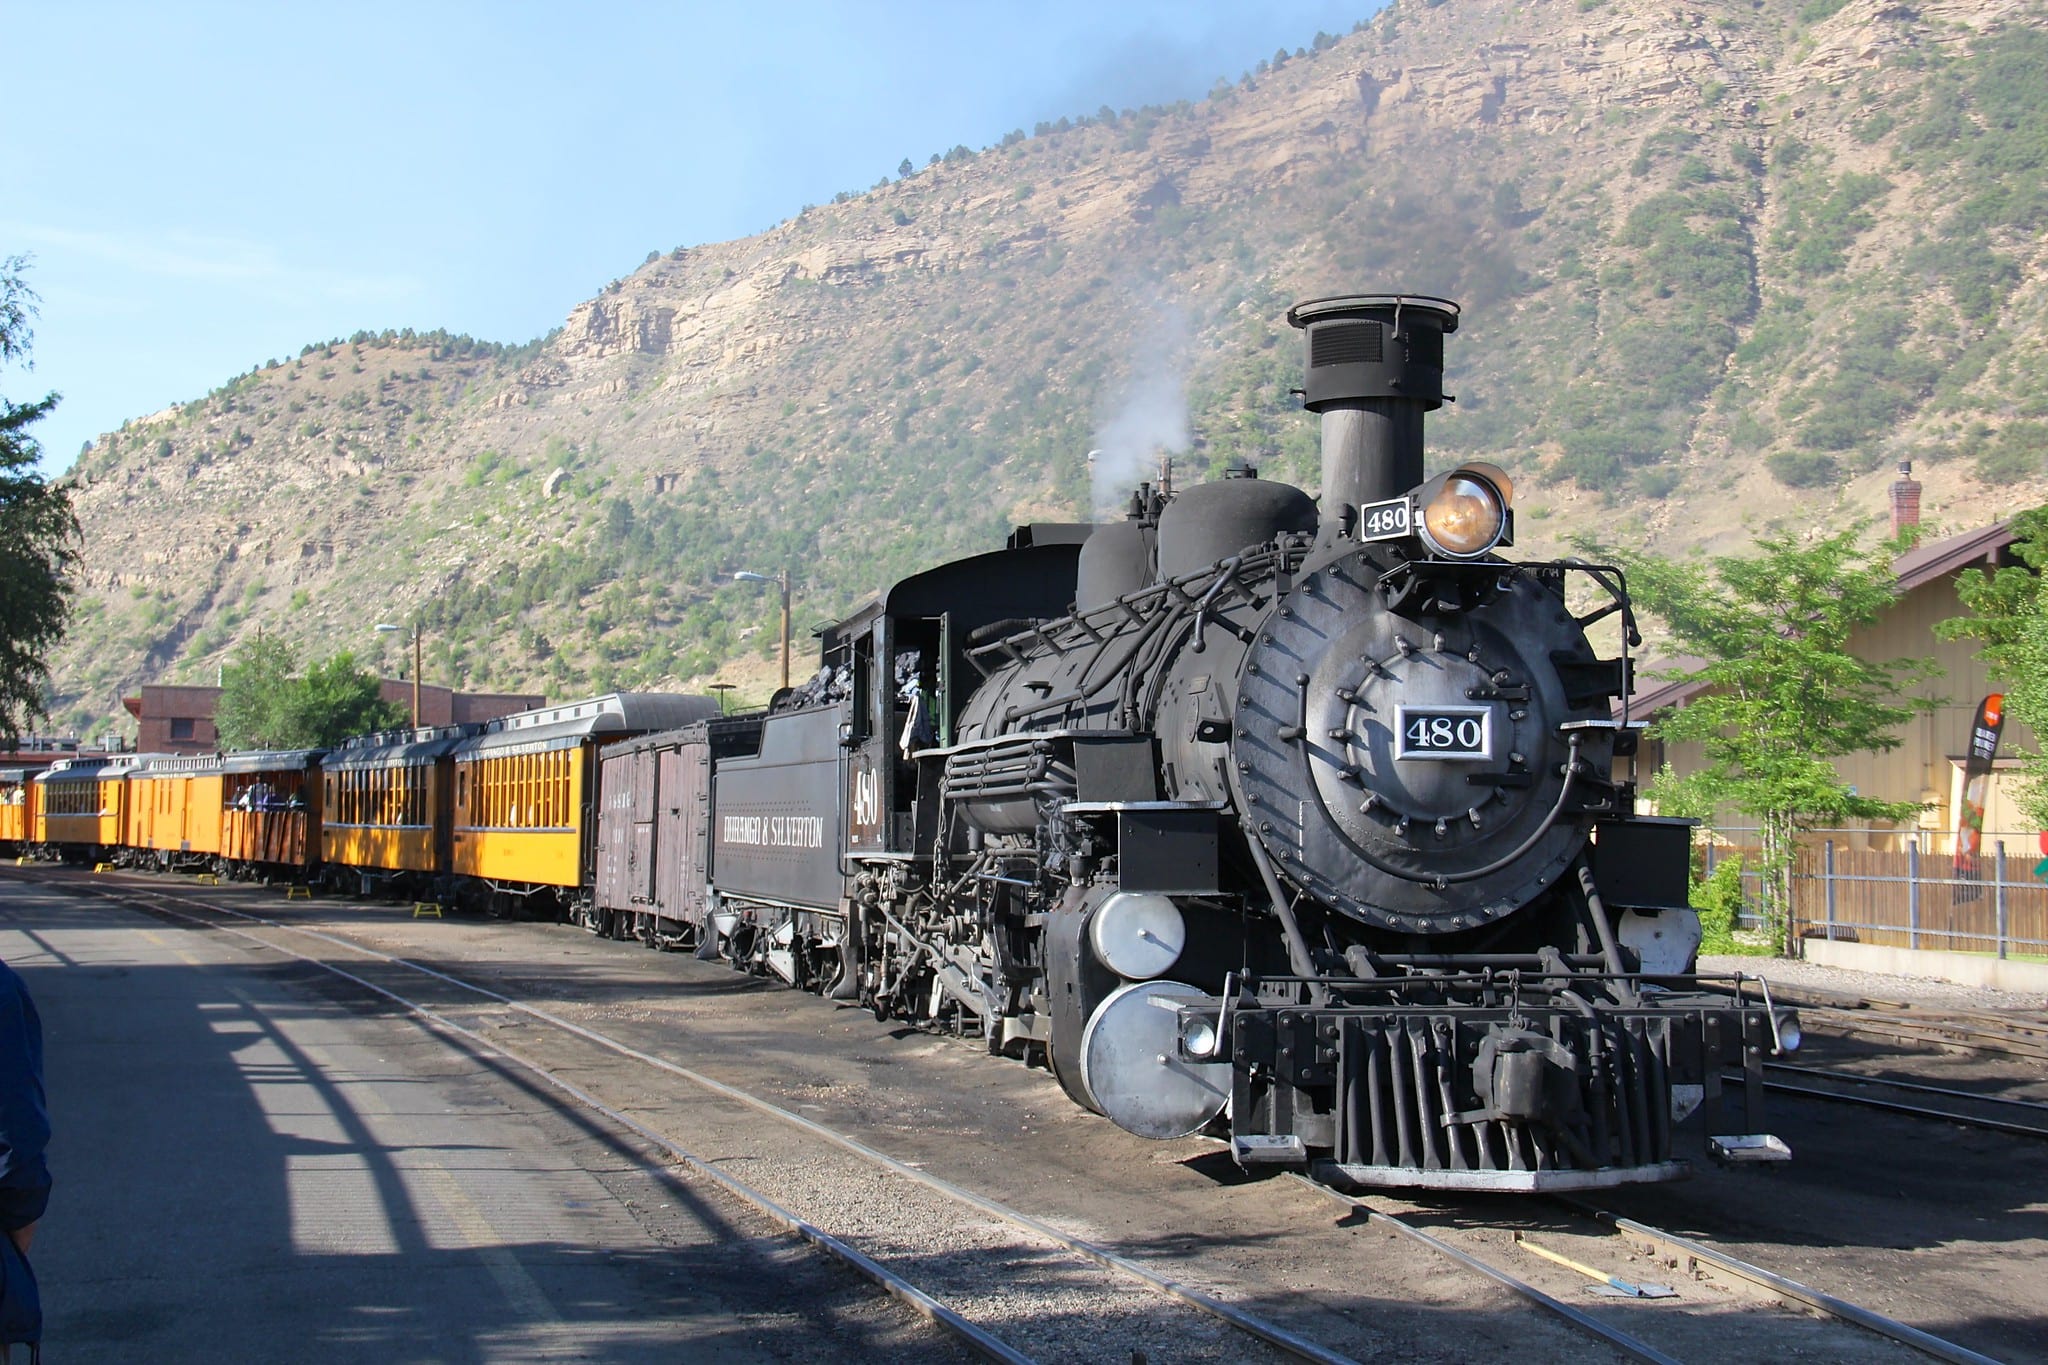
(1597, 912)
(1283, 909)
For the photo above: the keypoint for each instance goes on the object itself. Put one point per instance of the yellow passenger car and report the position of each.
(174, 811)
(80, 809)
(16, 793)
(384, 802)
(524, 823)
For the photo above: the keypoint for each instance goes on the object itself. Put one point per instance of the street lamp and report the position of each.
(385, 627)
(743, 576)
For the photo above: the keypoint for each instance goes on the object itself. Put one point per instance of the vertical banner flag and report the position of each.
(1976, 778)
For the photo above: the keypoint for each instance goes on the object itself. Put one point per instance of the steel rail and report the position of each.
(1635, 1347)
(1909, 1110)
(1671, 1244)
(2023, 1034)
(1964, 1023)
(1926, 1035)
(985, 1343)
(1270, 1333)
(2027, 1041)
(2023, 1021)
(1917, 1087)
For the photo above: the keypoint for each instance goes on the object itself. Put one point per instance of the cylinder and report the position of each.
(1375, 365)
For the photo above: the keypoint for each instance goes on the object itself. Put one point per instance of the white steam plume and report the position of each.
(1150, 415)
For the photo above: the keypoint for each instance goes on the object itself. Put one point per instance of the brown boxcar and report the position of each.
(653, 883)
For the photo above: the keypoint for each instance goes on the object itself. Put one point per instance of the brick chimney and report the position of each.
(1905, 499)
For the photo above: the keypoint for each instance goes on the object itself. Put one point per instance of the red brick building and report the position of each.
(179, 720)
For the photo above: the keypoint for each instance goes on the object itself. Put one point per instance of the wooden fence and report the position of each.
(1907, 898)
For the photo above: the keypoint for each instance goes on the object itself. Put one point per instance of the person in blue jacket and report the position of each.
(24, 1177)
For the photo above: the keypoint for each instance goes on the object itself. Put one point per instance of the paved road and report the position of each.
(255, 1164)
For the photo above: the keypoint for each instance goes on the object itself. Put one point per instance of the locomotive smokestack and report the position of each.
(1375, 365)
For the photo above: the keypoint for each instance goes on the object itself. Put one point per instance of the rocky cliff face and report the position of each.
(1718, 260)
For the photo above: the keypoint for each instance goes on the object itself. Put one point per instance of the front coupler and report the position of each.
(1521, 1085)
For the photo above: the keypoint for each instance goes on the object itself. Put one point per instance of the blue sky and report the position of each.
(207, 186)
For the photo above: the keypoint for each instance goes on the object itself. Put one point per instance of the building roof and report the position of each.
(1981, 548)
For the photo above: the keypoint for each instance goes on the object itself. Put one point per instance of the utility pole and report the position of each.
(416, 633)
(785, 629)
(782, 581)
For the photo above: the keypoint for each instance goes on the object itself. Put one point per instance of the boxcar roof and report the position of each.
(177, 765)
(271, 760)
(397, 748)
(95, 767)
(616, 713)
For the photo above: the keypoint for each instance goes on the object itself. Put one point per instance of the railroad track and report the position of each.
(2025, 1118)
(934, 1306)
(2022, 1034)
(1629, 1344)
(1000, 1321)
(1699, 1261)
(1700, 1258)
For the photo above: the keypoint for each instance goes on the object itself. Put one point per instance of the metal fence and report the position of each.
(1906, 897)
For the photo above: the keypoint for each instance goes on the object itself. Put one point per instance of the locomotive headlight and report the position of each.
(1465, 514)
(1785, 1028)
(1198, 1037)
(1138, 934)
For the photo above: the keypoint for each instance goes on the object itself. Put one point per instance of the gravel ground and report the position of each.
(1910, 1242)
(1924, 992)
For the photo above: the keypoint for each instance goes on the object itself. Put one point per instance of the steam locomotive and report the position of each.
(1297, 826)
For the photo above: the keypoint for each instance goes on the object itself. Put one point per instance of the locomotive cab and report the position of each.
(908, 657)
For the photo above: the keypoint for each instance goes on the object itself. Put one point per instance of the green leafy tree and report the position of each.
(337, 699)
(266, 704)
(38, 531)
(2010, 616)
(1783, 691)
(255, 710)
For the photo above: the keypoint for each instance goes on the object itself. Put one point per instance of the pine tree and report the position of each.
(38, 531)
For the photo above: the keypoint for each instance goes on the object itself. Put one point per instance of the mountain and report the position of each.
(1720, 262)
